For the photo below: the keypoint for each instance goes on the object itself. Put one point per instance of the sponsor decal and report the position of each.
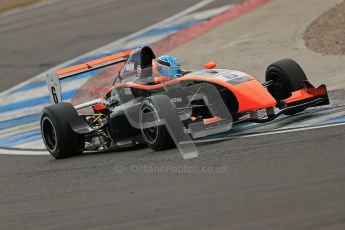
(176, 100)
(130, 67)
(138, 70)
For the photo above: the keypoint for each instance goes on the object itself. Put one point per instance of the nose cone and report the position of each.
(251, 96)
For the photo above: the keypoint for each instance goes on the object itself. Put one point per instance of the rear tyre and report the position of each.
(156, 135)
(57, 135)
(287, 76)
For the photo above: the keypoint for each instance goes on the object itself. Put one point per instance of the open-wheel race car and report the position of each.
(145, 107)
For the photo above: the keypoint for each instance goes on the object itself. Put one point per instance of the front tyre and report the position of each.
(286, 76)
(57, 135)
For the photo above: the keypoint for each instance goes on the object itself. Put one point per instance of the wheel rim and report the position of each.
(277, 89)
(151, 133)
(49, 134)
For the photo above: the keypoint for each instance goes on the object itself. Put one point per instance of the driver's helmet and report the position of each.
(166, 66)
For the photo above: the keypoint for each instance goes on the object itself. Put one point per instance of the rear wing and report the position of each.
(54, 77)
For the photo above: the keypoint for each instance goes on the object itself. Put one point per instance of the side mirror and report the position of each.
(210, 65)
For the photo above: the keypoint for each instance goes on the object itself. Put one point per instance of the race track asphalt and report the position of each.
(281, 181)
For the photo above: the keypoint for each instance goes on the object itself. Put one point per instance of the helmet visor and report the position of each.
(172, 72)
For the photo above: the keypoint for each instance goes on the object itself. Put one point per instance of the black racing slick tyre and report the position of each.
(286, 76)
(57, 135)
(153, 130)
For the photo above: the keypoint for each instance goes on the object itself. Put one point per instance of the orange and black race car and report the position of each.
(141, 107)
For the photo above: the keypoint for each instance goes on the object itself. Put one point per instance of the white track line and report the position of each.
(38, 145)
(270, 133)
(39, 92)
(19, 129)
(294, 130)
(25, 152)
(158, 25)
(208, 13)
(197, 16)
(314, 121)
(20, 113)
